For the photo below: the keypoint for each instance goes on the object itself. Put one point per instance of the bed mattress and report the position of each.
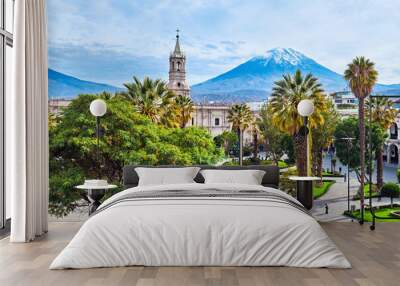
(201, 225)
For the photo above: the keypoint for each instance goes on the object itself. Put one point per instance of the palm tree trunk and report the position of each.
(320, 161)
(300, 146)
(183, 123)
(314, 160)
(361, 121)
(255, 146)
(379, 168)
(240, 147)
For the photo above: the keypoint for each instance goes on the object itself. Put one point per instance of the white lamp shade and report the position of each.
(98, 107)
(305, 107)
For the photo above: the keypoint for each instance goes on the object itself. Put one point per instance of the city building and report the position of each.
(345, 103)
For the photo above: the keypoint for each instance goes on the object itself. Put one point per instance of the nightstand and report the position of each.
(305, 190)
(95, 194)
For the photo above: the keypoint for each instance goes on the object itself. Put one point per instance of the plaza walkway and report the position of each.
(336, 199)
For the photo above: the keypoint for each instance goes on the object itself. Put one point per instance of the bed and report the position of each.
(198, 224)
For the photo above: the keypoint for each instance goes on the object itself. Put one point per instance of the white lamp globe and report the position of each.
(305, 107)
(98, 107)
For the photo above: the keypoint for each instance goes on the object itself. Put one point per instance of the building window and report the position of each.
(394, 131)
(178, 84)
(6, 43)
(216, 121)
(192, 121)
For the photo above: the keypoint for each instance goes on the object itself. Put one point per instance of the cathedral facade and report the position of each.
(212, 117)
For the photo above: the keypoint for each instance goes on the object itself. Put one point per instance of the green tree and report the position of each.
(128, 138)
(184, 108)
(391, 190)
(361, 76)
(286, 95)
(227, 140)
(322, 137)
(349, 128)
(241, 117)
(383, 113)
(274, 138)
(153, 99)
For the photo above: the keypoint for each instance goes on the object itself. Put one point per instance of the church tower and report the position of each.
(177, 71)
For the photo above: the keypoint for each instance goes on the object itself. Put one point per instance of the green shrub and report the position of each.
(398, 175)
(390, 190)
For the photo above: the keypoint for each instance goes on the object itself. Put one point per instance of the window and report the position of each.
(216, 121)
(6, 43)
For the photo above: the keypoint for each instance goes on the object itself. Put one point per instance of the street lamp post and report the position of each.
(306, 109)
(98, 108)
(348, 145)
(305, 183)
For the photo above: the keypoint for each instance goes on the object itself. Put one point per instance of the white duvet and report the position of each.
(200, 231)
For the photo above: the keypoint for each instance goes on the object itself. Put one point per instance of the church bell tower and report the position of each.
(177, 71)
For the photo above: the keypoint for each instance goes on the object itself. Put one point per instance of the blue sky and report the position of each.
(110, 41)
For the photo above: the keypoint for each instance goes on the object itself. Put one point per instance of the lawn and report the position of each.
(282, 164)
(318, 191)
(367, 192)
(381, 212)
(329, 174)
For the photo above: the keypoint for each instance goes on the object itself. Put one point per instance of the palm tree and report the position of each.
(255, 128)
(322, 137)
(361, 76)
(286, 95)
(384, 114)
(151, 98)
(184, 108)
(241, 117)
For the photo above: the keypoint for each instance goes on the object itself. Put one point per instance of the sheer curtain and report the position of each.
(27, 157)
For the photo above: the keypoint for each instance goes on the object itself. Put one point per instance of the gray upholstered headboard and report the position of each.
(271, 177)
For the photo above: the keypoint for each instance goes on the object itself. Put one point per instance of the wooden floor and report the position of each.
(375, 257)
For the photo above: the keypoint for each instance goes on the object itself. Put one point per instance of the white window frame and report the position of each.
(6, 39)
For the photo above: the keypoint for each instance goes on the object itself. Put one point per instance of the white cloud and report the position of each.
(331, 32)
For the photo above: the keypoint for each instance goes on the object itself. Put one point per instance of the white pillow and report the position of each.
(166, 176)
(248, 177)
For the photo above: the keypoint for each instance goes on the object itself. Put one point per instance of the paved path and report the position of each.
(336, 198)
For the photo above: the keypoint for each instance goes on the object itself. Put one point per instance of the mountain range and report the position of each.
(254, 79)
(67, 87)
(250, 81)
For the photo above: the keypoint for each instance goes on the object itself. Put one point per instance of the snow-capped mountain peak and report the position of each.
(281, 56)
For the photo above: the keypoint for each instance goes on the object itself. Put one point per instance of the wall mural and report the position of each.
(187, 82)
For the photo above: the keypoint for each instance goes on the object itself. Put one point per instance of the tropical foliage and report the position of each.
(152, 99)
(128, 138)
(348, 151)
(322, 137)
(184, 108)
(286, 95)
(275, 141)
(228, 141)
(381, 111)
(361, 76)
(241, 117)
